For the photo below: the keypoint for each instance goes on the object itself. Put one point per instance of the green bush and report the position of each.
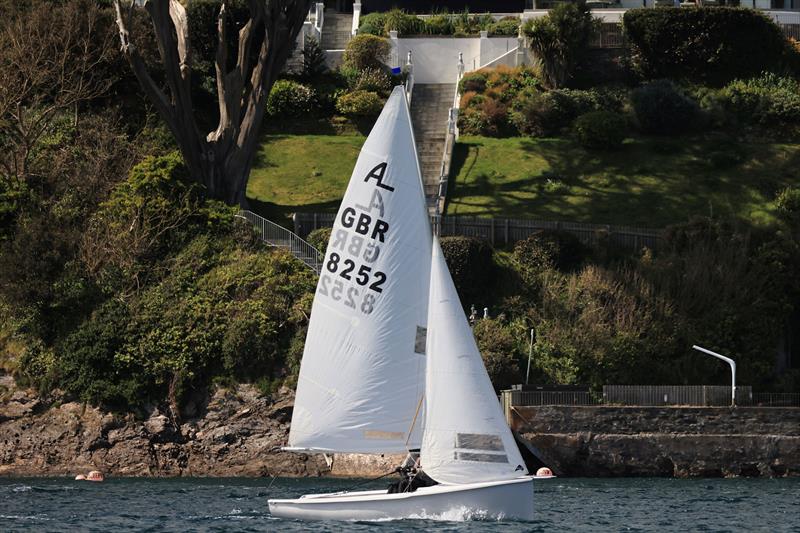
(472, 121)
(499, 352)
(402, 22)
(366, 51)
(560, 40)
(373, 80)
(372, 24)
(766, 100)
(600, 129)
(471, 264)
(662, 109)
(787, 203)
(313, 59)
(319, 239)
(508, 26)
(289, 98)
(547, 250)
(473, 81)
(359, 104)
(542, 114)
(712, 45)
(441, 24)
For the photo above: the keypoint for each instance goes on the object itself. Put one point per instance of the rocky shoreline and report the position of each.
(239, 431)
(238, 434)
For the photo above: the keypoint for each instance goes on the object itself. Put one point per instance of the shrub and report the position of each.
(766, 100)
(319, 239)
(373, 80)
(698, 44)
(472, 121)
(545, 250)
(441, 24)
(372, 24)
(499, 352)
(366, 51)
(787, 204)
(473, 81)
(560, 40)
(600, 129)
(313, 59)
(663, 109)
(542, 114)
(508, 26)
(359, 103)
(402, 22)
(471, 265)
(289, 98)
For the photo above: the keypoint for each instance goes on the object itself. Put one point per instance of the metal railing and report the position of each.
(504, 231)
(653, 396)
(608, 35)
(280, 237)
(657, 395)
(449, 142)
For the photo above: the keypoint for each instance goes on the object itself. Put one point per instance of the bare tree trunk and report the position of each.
(222, 159)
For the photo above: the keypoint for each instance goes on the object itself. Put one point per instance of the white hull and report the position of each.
(497, 500)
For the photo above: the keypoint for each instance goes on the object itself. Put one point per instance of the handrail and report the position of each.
(280, 237)
(449, 141)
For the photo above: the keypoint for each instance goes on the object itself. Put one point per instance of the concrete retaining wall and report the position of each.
(652, 441)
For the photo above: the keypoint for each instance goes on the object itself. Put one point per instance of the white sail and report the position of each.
(466, 438)
(362, 375)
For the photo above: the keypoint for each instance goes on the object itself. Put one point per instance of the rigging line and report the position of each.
(373, 479)
(413, 422)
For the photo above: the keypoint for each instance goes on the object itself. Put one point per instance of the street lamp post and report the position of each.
(733, 370)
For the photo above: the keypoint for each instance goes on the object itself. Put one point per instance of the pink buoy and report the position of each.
(544, 472)
(95, 475)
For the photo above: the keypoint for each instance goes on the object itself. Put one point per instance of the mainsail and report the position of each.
(466, 438)
(362, 374)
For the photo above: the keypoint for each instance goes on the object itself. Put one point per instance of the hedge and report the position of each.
(713, 45)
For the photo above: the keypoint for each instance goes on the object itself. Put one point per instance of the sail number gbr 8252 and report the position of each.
(349, 273)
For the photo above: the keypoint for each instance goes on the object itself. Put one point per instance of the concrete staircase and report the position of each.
(430, 105)
(336, 30)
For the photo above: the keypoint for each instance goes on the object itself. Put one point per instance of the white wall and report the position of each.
(436, 58)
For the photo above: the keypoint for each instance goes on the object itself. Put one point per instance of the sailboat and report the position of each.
(390, 362)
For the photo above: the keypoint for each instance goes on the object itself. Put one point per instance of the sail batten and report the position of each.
(466, 438)
(362, 374)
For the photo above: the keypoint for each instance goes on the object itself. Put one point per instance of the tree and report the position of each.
(220, 160)
(53, 58)
(559, 39)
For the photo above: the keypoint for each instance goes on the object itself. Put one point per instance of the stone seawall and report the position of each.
(664, 441)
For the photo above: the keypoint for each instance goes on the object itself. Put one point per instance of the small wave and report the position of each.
(22, 517)
(456, 514)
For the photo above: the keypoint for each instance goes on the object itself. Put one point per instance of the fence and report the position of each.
(609, 35)
(711, 395)
(791, 30)
(501, 231)
(280, 237)
(653, 396)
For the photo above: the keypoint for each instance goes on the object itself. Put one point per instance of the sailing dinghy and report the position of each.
(387, 330)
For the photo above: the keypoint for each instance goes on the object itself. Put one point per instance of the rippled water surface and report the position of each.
(59, 504)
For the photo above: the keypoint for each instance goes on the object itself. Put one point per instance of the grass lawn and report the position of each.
(302, 172)
(649, 182)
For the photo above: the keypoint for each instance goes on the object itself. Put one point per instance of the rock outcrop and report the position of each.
(239, 435)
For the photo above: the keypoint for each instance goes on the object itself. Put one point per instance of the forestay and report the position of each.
(466, 438)
(362, 374)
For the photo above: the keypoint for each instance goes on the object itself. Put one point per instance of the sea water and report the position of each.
(562, 504)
